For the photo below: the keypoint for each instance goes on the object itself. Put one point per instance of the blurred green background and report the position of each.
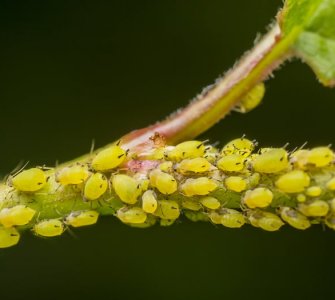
(73, 71)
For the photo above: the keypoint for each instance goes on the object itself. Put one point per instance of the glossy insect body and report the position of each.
(259, 197)
(191, 204)
(133, 215)
(241, 146)
(232, 218)
(316, 208)
(194, 165)
(109, 158)
(17, 215)
(271, 161)
(294, 218)
(167, 209)
(235, 183)
(95, 186)
(75, 174)
(320, 156)
(293, 182)
(252, 99)
(127, 188)
(199, 186)
(265, 220)
(8, 237)
(30, 180)
(164, 182)
(210, 202)
(82, 218)
(231, 163)
(313, 191)
(49, 228)
(149, 201)
(189, 149)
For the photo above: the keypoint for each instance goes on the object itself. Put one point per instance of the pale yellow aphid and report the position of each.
(330, 222)
(167, 209)
(210, 202)
(127, 188)
(320, 156)
(188, 149)
(166, 166)
(8, 237)
(16, 215)
(265, 220)
(95, 186)
(194, 165)
(211, 153)
(293, 182)
(317, 208)
(331, 184)
(30, 180)
(232, 218)
(231, 163)
(82, 218)
(313, 191)
(252, 99)
(156, 154)
(271, 161)
(299, 158)
(235, 183)
(149, 201)
(164, 182)
(75, 174)
(301, 198)
(109, 158)
(49, 228)
(132, 215)
(258, 197)
(215, 217)
(199, 186)
(240, 146)
(166, 222)
(191, 204)
(294, 218)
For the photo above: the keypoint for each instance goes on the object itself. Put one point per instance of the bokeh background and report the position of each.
(73, 71)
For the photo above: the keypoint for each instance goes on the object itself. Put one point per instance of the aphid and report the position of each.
(332, 205)
(149, 201)
(82, 218)
(252, 99)
(166, 222)
(199, 186)
(330, 221)
(258, 197)
(17, 215)
(235, 183)
(320, 156)
(194, 165)
(211, 153)
(191, 204)
(164, 182)
(232, 218)
(299, 158)
(8, 237)
(188, 149)
(166, 166)
(293, 182)
(95, 186)
(331, 184)
(75, 174)
(133, 215)
(316, 208)
(30, 180)
(196, 216)
(265, 220)
(49, 228)
(210, 202)
(215, 217)
(167, 209)
(231, 163)
(271, 161)
(313, 191)
(301, 198)
(127, 188)
(109, 158)
(294, 218)
(241, 146)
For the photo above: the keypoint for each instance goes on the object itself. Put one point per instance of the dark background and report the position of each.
(72, 71)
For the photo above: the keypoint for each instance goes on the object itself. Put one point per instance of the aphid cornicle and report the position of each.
(95, 186)
(75, 174)
(252, 99)
(194, 165)
(231, 163)
(8, 237)
(271, 161)
(188, 149)
(49, 228)
(294, 218)
(109, 158)
(241, 146)
(16, 215)
(132, 215)
(127, 188)
(198, 186)
(164, 182)
(82, 218)
(293, 182)
(30, 180)
(149, 201)
(258, 197)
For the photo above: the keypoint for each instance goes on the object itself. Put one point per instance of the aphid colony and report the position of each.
(271, 185)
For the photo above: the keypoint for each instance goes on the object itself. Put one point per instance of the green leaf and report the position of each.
(312, 23)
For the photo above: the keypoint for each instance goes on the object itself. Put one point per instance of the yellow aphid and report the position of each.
(301, 198)
(252, 99)
(191, 204)
(320, 156)
(299, 158)
(164, 182)
(30, 180)
(8, 237)
(127, 188)
(166, 222)
(109, 158)
(166, 166)
(156, 154)
(331, 184)
(294, 218)
(235, 183)
(49, 228)
(231, 163)
(232, 218)
(259, 197)
(149, 201)
(133, 215)
(241, 146)
(95, 186)
(317, 208)
(199, 186)
(265, 220)
(293, 182)
(194, 165)
(330, 222)
(215, 217)
(17, 215)
(75, 174)
(210, 202)
(313, 191)
(82, 218)
(332, 205)
(271, 161)
(167, 209)
(189, 149)
(211, 153)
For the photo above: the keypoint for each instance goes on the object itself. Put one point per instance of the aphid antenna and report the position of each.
(18, 168)
(92, 146)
